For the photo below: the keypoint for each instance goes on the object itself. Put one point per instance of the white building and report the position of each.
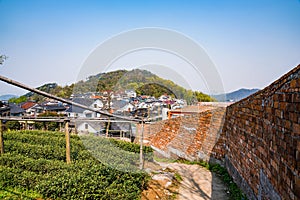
(130, 93)
(75, 111)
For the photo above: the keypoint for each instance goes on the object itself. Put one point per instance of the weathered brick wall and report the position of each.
(194, 137)
(263, 140)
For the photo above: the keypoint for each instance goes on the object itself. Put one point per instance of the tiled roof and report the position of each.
(119, 104)
(28, 105)
(82, 101)
(54, 108)
(15, 109)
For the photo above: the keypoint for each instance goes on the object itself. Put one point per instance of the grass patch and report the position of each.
(177, 177)
(162, 159)
(234, 190)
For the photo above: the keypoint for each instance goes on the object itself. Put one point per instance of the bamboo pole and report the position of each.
(1, 139)
(68, 151)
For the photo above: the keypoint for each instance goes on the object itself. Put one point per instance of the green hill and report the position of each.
(142, 81)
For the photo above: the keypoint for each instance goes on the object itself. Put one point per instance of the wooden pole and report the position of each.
(44, 126)
(159, 112)
(107, 128)
(141, 147)
(60, 126)
(75, 129)
(130, 132)
(68, 151)
(1, 139)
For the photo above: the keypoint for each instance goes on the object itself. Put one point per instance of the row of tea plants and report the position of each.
(35, 161)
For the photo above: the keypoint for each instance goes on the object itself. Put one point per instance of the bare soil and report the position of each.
(197, 183)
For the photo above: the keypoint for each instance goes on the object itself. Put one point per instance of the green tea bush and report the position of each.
(35, 161)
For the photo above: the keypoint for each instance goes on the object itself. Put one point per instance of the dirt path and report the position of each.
(198, 183)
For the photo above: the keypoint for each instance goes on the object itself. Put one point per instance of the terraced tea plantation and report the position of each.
(34, 167)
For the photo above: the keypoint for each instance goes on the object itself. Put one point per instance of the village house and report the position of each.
(130, 93)
(15, 110)
(75, 111)
(31, 108)
(122, 107)
(53, 107)
(85, 127)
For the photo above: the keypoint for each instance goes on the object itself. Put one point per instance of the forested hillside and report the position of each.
(142, 81)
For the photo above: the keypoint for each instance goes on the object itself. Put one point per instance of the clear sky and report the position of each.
(252, 43)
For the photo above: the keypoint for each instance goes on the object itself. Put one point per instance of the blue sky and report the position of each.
(252, 43)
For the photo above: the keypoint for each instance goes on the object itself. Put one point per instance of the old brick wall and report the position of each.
(194, 137)
(263, 140)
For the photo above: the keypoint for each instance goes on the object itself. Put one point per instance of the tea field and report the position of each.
(33, 167)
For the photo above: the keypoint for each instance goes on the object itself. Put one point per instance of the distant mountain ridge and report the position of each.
(235, 95)
(6, 97)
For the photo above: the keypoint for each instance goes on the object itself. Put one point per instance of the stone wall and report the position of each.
(263, 140)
